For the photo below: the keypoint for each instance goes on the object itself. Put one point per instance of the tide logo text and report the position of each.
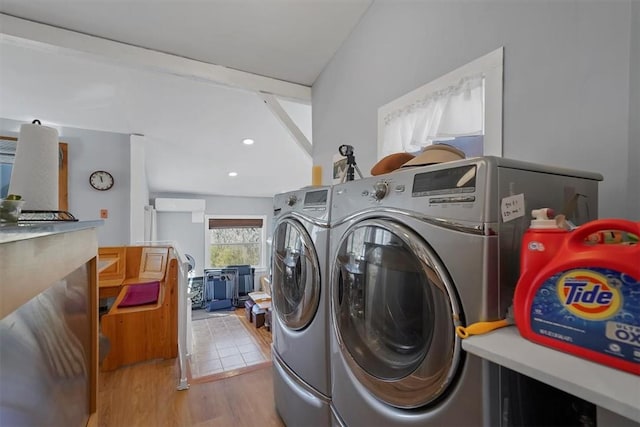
(578, 293)
(586, 293)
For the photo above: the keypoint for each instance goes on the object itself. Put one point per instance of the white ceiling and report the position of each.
(193, 124)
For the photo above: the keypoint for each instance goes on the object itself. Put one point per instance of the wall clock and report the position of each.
(101, 180)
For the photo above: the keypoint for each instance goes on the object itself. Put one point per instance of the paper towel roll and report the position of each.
(35, 169)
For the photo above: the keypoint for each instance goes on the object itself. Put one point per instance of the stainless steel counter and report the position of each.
(48, 323)
(14, 232)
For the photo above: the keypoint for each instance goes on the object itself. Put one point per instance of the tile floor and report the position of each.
(222, 344)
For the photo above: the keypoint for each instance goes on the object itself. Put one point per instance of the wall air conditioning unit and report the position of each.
(180, 205)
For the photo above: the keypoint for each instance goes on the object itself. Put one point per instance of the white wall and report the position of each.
(179, 227)
(634, 115)
(139, 196)
(89, 151)
(566, 79)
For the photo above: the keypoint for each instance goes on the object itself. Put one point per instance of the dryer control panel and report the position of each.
(316, 200)
(447, 185)
(311, 202)
(454, 191)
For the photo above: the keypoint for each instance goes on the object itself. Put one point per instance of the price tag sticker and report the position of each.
(512, 207)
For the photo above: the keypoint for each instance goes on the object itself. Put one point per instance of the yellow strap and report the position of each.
(480, 328)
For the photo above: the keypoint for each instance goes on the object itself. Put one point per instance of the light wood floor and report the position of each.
(145, 395)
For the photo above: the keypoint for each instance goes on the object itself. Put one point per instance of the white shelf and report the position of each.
(612, 389)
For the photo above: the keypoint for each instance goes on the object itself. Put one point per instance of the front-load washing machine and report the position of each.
(300, 300)
(415, 253)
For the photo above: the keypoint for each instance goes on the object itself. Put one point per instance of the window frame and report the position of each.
(490, 66)
(263, 237)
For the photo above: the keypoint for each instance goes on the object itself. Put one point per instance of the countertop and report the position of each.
(30, 230)
(612, 389)
(34, 256)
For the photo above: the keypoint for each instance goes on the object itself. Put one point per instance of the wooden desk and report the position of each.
(107, 287)
(146, 331)
(103, 264)
(262, 299)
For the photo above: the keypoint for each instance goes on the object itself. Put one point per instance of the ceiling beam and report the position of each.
(33, 35)
(285, 119)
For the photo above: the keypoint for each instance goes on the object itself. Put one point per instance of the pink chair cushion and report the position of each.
(141, 294)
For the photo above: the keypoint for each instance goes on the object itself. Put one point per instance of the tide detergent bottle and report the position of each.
(579, 294)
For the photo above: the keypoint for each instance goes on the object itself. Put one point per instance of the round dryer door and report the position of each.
(296, 275)
(394, 309)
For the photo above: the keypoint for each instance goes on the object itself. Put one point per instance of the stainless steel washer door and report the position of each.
(296, 275)
(394, 310)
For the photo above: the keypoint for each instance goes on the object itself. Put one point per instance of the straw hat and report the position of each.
(390, 163)
(436, 153)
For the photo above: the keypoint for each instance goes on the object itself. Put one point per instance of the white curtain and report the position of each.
(457, 110)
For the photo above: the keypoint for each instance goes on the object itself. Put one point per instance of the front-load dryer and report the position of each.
(415, 253)
(301, 302)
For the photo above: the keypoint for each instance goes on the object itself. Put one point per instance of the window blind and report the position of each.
(234, 222)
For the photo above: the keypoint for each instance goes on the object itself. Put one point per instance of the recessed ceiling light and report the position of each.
(233, 173)
(248, 141)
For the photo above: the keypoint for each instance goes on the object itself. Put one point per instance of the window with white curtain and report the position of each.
(462, 108)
